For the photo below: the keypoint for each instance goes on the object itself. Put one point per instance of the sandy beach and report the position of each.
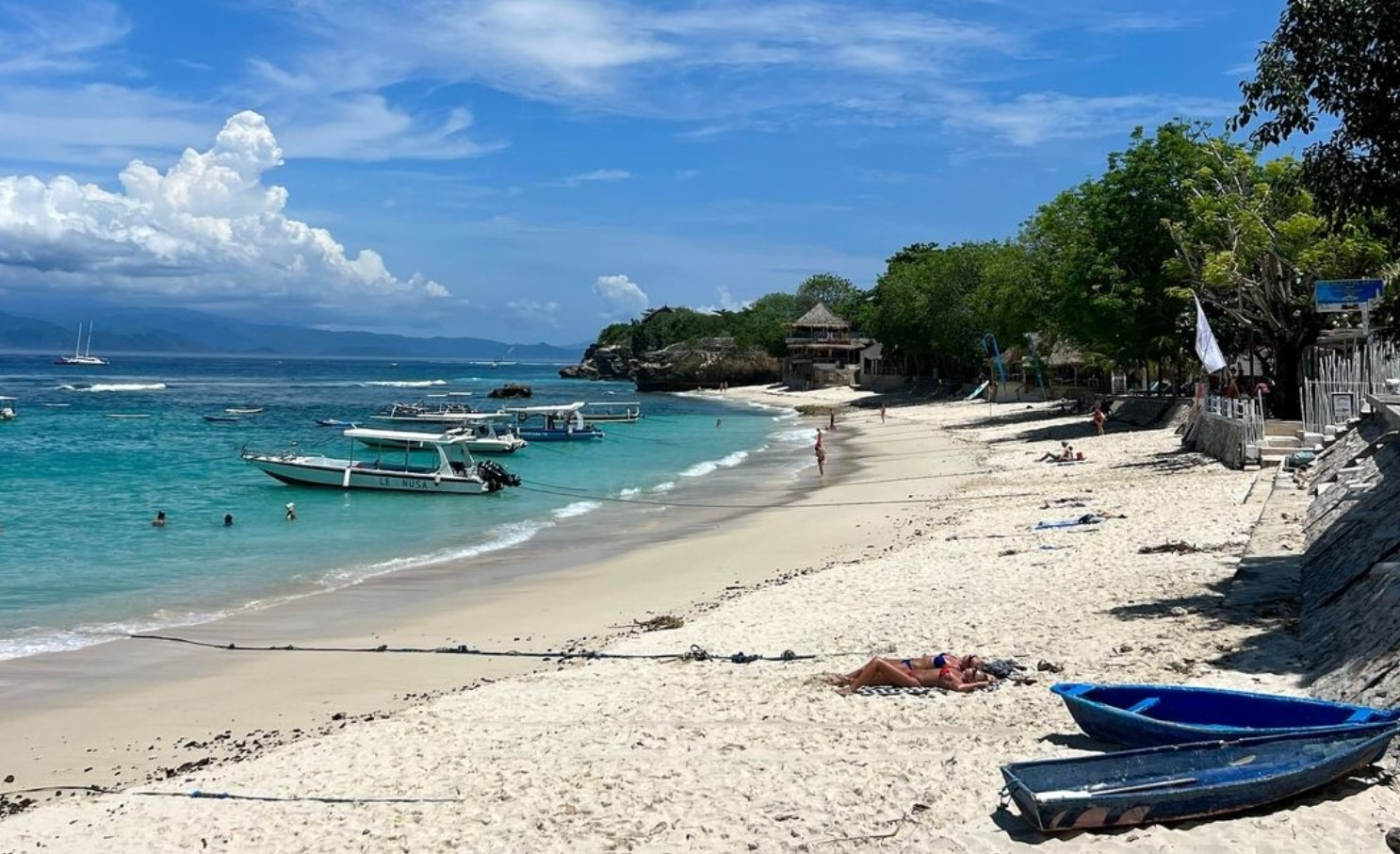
(919, 540)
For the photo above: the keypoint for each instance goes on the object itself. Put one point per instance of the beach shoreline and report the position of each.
(934, 542)
(129, 711)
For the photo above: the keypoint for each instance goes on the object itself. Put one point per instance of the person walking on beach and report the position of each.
(821, 456)
(1099, 418)
(882, 413)
(159, 521)
(291, 511)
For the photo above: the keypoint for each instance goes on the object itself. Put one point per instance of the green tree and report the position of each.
(931, 307)
(1101, 250)
(1253, 246)
(765, 323)
(1336, 58)
(839, 294)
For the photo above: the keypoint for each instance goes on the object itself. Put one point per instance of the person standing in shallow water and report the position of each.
(228, 520)
(291, 511)
(821, 456)
(159, 521)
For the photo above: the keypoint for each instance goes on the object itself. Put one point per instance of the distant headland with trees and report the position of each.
(1109, 266)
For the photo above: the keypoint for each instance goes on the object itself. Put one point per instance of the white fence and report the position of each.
(1248, 411)
(1336, 384)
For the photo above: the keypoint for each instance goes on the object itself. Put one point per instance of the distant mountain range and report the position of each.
(178, 330)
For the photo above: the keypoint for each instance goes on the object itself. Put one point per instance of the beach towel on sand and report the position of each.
(897, 691)
(1086, 519)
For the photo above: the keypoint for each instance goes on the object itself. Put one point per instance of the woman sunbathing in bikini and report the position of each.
(945, 670)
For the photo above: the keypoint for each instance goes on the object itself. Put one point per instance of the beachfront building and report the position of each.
(822, 352)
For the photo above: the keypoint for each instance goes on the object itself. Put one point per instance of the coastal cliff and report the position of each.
(680, 367)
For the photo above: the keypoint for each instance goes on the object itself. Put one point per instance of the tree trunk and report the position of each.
(1284, 391)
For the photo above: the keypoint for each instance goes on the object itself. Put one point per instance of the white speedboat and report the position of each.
(489, 433)
(391, 460)
(8, 410)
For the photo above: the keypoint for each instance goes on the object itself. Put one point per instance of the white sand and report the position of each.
(707, 756)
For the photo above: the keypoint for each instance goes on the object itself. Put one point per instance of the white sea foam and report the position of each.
(505, 536)
(578, 508)
(404, 383)
(703, 468)
(37, 641)
(101, 387)
(664, 487)
(629, 492)
(800, 436)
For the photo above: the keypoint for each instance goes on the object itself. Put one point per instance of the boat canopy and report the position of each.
(557, 409)
(405, 436)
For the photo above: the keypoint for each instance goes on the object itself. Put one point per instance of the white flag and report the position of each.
(1206, 346)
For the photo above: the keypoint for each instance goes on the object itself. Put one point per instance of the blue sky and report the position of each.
(533, 169)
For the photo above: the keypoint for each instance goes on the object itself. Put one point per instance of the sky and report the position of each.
(532, 170)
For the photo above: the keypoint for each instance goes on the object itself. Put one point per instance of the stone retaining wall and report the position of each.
(1350, 572)
(1219, 437)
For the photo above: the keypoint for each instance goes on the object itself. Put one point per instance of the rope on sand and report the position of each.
(695, 653)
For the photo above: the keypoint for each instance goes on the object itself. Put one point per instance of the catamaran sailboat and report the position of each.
(82, 355)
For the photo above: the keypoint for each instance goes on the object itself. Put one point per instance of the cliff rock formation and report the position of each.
(680, 367)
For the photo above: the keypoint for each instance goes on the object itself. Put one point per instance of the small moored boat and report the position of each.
(1146, 715)
(222, 419)
(334, 422)
(390, 460)
(562, 423)
(1182, 781)
(9, 411)
(621, 412)
(253, 410)
(422, 414)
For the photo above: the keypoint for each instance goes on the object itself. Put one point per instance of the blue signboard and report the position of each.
(1346, 294)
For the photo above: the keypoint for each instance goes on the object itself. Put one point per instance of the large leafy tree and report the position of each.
(839, 294)
(931, 306)
(1339, 58)
(1101, 250)
(1253, 245)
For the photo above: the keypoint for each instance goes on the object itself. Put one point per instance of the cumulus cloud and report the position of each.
(207, 228)
(621, 294)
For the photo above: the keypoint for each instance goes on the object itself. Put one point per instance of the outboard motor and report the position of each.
(495, 476)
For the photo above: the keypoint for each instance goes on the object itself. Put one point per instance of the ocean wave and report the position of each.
(505, 536)
(703, 468)
(664, 487)
(38, 641)
(629, 492)
(578, 508)
(800, 436)
(101, 387)
(403, 383)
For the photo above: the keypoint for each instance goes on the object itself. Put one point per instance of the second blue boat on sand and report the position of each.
(1182, 781)
(1149, 715)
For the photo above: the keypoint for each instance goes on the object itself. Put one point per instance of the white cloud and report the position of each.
(535, 311)
(602, 175)
(726, 302)
(1034, 118)
(207, 229)
(623, 296)
(57, 36)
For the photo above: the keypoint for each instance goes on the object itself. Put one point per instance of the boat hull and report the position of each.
(575, 435)
(340, 474)
(1184, 781)
(1150, 715)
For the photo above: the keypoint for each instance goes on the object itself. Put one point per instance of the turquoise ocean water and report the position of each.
(80, 561)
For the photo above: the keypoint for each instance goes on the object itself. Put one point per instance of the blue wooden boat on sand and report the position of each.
(1183, 781)
(1147, 715)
